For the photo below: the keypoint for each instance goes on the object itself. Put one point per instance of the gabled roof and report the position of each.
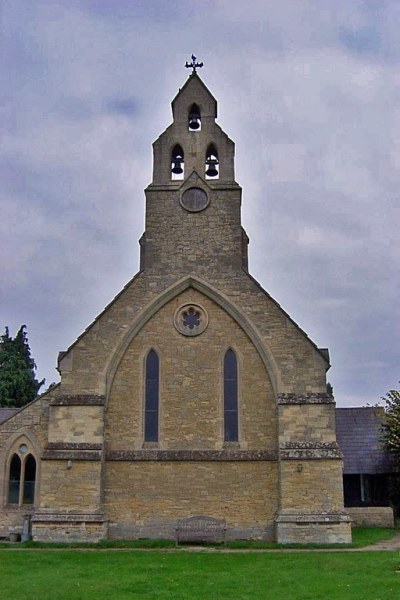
(195, 79)
(358, 433)
(6, 413)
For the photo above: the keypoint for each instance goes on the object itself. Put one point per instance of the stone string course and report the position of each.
(190, 455)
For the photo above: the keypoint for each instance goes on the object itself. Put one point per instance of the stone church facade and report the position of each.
(192, 393)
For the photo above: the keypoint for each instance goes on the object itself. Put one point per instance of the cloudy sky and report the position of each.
(309, 92)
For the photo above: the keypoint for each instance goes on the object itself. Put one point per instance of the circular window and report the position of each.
(194, 199)
(23, 448)
(191, 319)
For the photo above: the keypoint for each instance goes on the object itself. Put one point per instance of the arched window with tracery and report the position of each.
(22, 477)
(231, 417)
(151, 408)
(177, 163)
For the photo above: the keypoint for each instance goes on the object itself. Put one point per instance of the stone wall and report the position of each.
(371, 516)
(145, 499)
(191, 380)
(28, 426)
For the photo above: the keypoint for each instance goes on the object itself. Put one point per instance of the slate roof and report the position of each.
(5, 413)
(357, 433)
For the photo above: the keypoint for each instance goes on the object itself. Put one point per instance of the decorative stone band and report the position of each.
(79, 400)
(309, 451)
(317, 398)
(72, 446)
(72, 451)
(67, 517)
(314, 517)
(191, 455)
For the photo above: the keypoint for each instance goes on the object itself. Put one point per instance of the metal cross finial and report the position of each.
(193, 65)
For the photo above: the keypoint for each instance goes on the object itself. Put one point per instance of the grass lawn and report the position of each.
(170, 575)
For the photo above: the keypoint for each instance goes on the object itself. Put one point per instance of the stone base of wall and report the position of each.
(167, 531)
(371, 516)
(315, 528)
(68, 527)
(12, 519)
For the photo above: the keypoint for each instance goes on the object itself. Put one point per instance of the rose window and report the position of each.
(191, 319)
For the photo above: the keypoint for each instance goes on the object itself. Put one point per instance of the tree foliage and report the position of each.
(391, 425)
(18, 383)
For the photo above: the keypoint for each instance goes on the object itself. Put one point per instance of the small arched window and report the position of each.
(231, 422)
(194, 118)
(177, 163)
(212, 163)
(151, 397)
(14, 480)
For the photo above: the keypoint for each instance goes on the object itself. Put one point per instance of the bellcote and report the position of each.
(193, 142)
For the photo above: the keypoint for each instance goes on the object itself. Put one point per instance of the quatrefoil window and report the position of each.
(191, 319)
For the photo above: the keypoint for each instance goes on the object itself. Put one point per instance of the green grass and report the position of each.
(362, 536)
(107, 575)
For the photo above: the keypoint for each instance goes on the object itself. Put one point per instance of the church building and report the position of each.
(192, 394)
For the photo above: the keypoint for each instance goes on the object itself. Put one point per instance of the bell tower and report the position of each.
(193, 203)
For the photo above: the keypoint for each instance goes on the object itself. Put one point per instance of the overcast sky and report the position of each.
(309, 92)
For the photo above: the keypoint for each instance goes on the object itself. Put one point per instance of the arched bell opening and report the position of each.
(212, 163)
(177, 163)
(194, 118)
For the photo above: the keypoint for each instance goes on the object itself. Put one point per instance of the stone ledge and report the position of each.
(304, 444)
(190, 455)
(71, 455)
(309, 450)
(72, 446)
(317, 398)
(315, 517)
(59, 517)
(79, 400)
(310, 453)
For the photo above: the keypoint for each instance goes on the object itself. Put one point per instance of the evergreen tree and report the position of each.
(391, 425)
(18, 384)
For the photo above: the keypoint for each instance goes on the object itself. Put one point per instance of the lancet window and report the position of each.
(231, 421)
(152, 384)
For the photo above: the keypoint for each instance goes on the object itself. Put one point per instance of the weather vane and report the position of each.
(193, 65)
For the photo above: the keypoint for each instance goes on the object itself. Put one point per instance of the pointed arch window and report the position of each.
(28, 496)
(14, 480)
(177, 163)
(194, 118)
(231, 421)
(212, 163)
(22, 478)
(151, 397)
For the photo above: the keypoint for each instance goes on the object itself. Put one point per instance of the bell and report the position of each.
(211, 164)
(194, 123)
(176, 168)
